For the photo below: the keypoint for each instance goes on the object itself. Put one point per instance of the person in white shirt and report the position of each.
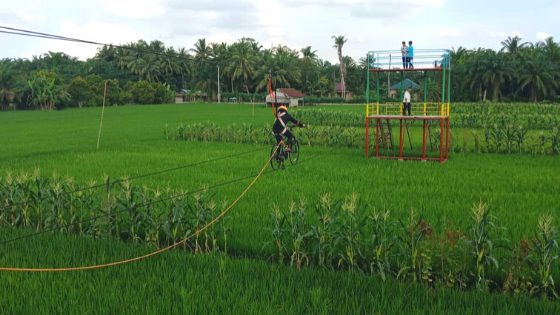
(404, 52)
(406, 103)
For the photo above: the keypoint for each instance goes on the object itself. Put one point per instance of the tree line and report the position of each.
(143, 73)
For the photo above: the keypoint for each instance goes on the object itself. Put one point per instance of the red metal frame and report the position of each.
(443, 143)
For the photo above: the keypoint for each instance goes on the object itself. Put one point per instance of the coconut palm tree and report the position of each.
(537, 76)
(339, 42)
(495, 72)
(201, 51)
(287, 70)
(309, 65)
(513, 45)
(204, 70)
(184, 62)
(242, 62)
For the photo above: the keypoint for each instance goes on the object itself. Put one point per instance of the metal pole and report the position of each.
(102, 114)
(425, 91)
(441, 139)
(389, 78)
(367, 137)
(218, 84)
(401, 140)
(424, 140)
(443, 87)
(377, 126)
(449, 80)
(367, 85)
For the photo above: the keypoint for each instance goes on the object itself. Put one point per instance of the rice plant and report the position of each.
(415, 259)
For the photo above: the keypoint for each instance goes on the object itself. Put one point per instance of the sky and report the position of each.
(368, 25)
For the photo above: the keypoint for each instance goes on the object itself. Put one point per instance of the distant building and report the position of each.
(181, 96)
(287, 96)
(339, 89)
(395, 90)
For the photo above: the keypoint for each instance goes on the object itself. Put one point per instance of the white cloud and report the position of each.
(542, 36)
(135, 8)
(373, 9)
(449, 32)
(275, 20)
(503, 35)
(367, 24)
(106, 33)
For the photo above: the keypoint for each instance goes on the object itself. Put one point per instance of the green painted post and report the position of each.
(426, 87)
(449, 79)
(402, 84)
(443, 86)
(367, 80)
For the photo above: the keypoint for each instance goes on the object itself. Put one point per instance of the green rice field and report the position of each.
(517, 189)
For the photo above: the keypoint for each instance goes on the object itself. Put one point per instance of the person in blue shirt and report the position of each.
(410, 54)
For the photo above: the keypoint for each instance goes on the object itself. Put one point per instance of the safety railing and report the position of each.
(392, 60)
(417, 109)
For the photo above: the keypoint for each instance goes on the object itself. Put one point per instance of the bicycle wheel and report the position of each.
(294, 155)
(277, 160)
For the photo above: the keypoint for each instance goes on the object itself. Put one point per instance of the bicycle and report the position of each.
(281, 154)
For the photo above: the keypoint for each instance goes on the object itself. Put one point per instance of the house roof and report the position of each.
(339, 87)
(291, 92)
(405, 84)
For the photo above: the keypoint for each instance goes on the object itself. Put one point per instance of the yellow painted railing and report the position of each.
(417, 109)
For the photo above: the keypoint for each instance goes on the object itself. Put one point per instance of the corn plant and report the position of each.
(299, 235)
(201, 212)
(520, 135)
(382, 242)
(349, 239)
(497, 137)
(543, 256)
(555, 140)
(323, 233)
(482, 244)
(125, 211)
(278, 233)
(510, 136)
(128, 201)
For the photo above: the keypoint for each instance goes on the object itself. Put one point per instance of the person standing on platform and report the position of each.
(410, 55)
(406, 103)
(404, 52)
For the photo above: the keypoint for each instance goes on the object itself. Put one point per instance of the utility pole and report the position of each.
(218, 84)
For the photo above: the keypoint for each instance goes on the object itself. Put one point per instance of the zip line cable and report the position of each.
(108, 184)
(156, 252)
(22, 32)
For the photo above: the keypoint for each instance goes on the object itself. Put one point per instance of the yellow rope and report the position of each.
(159, 251)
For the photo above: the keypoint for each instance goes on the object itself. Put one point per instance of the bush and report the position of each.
(144, 92)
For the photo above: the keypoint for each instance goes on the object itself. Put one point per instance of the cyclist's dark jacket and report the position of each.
(282, 118)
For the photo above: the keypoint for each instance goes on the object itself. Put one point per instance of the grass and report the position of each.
(178, 283)
(517, 189)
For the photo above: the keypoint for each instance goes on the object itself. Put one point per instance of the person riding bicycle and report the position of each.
(280, 127)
